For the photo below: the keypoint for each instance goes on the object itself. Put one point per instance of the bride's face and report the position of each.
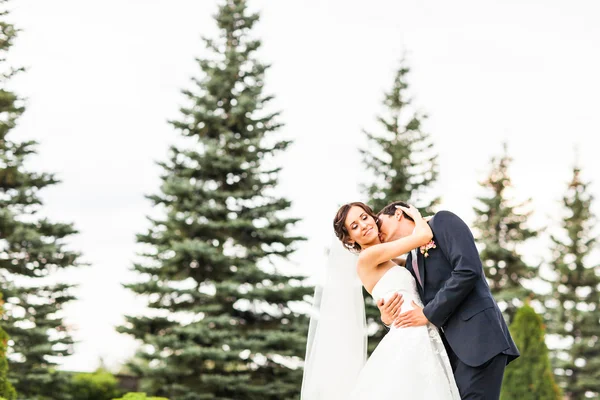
(361, 227)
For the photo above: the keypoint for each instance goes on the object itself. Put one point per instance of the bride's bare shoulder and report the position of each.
(366, 276)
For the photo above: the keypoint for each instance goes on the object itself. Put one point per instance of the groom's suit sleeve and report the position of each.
(454, 238)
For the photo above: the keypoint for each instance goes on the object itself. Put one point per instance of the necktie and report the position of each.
(415, 266)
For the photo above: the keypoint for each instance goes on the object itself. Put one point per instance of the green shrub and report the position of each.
(529, 377)
(139, 396)
(100, 385)
(7, 391)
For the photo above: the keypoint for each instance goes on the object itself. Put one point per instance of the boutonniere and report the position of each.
(426, 248)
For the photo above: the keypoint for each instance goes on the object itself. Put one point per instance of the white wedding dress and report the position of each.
(409, 363)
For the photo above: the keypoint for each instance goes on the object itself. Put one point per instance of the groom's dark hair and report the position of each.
(390, 209)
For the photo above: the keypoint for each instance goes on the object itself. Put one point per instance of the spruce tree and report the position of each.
(530, 376)
(221, 325)
(400, 155)
(573, 305)
(31, 249)
(402, 163)
(500, 228)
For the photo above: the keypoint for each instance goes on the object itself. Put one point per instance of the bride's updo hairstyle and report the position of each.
(339, 224)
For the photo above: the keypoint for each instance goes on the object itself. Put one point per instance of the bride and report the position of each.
(409, 363)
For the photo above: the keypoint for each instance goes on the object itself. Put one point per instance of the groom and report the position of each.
(457, 300)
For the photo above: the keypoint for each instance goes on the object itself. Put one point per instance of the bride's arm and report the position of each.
(377, 254)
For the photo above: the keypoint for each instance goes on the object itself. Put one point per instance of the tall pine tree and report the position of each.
(400, 156)
(573, 307)
(501, 227)
(31, 249)
(530, 376)
(402, 163)
(222, 326)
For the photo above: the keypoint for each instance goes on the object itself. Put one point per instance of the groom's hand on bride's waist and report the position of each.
(390, 309)
(414, 317)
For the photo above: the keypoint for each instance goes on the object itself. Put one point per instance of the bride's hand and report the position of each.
(422, 229)
(411, 211)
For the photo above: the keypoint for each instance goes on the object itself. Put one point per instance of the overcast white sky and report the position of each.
(104, 76)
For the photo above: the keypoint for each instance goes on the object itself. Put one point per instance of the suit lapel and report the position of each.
(409, 264)
(412, 271)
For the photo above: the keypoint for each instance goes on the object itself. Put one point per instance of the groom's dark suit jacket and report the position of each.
(457, 297)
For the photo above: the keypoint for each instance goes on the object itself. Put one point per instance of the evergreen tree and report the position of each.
(573, 307)
(400, 156)
(222, 326)
(7, 391)
(403, 166)
(501, 226)
(31, 249)
(530, 376)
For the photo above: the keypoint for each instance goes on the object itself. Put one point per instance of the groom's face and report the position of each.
(388, 225)
(393, 227)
